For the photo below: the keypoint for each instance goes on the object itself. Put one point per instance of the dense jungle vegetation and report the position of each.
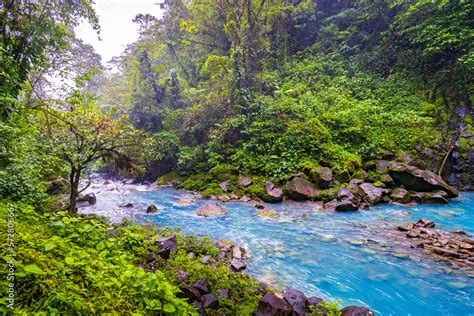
(211, 90)
(271, 88)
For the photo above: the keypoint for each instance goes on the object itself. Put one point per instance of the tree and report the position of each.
(81, 136)
(30, 32)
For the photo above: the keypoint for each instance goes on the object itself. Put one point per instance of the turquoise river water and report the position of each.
(348, 256)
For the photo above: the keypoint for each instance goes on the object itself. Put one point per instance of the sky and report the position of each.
(117, 28)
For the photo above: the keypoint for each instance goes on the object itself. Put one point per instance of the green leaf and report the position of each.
(169, 308)
(49, 246)
(33, 268)
(78, 305)
(100, 246)
(69, 260)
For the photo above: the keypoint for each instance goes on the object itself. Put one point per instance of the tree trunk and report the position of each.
(74, 179)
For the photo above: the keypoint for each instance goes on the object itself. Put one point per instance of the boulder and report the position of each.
(314, 301)
(273, 191)
(202, 285)
(237, 265)
(223, 198)
(267, 212)
(345, 205)
(126, 205)
(356, 311)
(273, 304)
(439, 197)
(237, 252)
(345, 193)
(331, 205)
(211, 208)
(426, 223)
(167, 246)
(300, 189)
(322, 177)
(223, 186)
(152, 209)
(58, 186)
(386, 178)
(400, 195)
(405, 227)
(297, 300)
(244, 181)
(381, 166)
(89, 198)
(224, 245)
(355, 182)
(182, 276)
(419, 180)
(370, 193)
(209, 301)
(111, 233)
(189, 293)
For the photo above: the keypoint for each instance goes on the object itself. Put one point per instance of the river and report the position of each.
(348, 256)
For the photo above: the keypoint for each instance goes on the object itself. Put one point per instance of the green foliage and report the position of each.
(66, 264)
(263, 104)
(202, 182)
(327, 308)
(23, 163)
(69, 265)
(31, 33)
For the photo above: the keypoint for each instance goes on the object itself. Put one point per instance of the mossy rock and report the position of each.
(168, 178)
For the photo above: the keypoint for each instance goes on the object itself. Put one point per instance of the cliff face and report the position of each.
(459, 170)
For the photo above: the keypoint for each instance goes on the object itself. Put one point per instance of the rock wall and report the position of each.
(459, 169)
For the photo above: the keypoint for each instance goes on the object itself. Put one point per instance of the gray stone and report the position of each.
(244, 181)
(273, 191)
(300, 189)
(211, 208)
(167, 245)
(370, 193)
(419, 180)
(152, 209)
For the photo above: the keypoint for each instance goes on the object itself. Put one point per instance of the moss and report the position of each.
(212, 189)
(324, 195)
(380, 184)
(168, 178)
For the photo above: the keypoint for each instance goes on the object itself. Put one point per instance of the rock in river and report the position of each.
(273, 191)
(370, 193)
(267, 212)
(419, 180)
(273, 304)
(297, 300)
(211, 208)
(345, 205)
(89, 198)
(152, 209)
(300, 189)
(356, 311)
(400, 195)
